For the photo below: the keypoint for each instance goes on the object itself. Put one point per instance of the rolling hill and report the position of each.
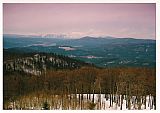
(101, 51)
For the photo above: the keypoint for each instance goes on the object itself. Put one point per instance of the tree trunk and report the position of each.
(145, 102)
(119, 96)
(100, 96)
(62, 102)
(76, 99)
(93, 97)
(129, 103)
(149, 103)
(121, 102)
(110, 100)
(154, 97)
(126, 101)
(139, 103)
(79, 100)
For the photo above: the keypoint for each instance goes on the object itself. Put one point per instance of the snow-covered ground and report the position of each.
(67, 48)
(70, 102)
(90, 57)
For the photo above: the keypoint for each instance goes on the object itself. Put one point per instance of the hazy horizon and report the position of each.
(120, 20)
(67, 37)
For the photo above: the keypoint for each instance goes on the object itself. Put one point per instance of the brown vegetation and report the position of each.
(122, 82)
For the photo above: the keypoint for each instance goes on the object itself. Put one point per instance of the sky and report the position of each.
(78, 20)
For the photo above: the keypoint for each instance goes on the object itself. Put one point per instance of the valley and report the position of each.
(103, 52)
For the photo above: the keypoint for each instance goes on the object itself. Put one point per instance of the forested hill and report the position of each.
(37, 63)
(45, 75)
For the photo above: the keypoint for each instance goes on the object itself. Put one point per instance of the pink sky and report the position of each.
(77, 20)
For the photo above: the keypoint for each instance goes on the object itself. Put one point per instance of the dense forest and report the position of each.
(50, 81)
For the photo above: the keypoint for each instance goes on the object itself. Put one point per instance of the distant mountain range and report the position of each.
(36, 36)
(102, 51)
